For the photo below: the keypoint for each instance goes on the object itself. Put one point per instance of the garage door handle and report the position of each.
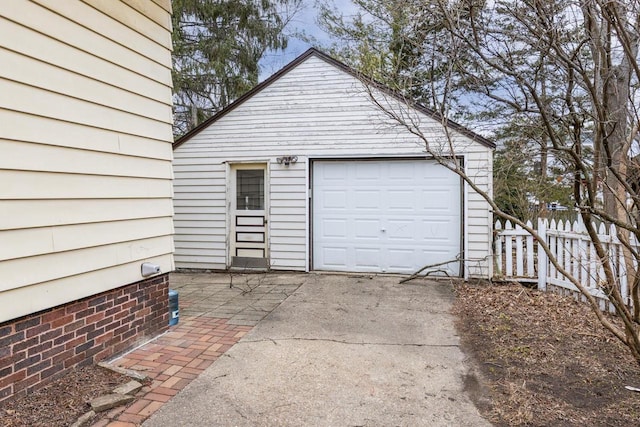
(383, 229)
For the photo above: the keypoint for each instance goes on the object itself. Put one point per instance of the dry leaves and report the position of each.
(61, 402)
(546, 359)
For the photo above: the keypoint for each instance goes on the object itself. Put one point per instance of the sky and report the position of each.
(304, 22)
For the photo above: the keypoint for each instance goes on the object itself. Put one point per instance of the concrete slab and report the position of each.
(341, 350)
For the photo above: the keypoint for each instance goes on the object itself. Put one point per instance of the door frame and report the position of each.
(231, 167)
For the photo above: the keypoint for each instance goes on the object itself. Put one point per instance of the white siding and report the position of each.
(85, 148)
(315, 110)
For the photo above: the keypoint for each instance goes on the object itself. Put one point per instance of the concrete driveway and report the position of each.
(342, 350)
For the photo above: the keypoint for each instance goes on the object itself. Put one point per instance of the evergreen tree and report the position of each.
(216, 49)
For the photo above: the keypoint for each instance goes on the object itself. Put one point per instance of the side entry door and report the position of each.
(248, 216)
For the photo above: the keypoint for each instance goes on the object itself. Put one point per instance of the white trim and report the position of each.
(227, 228)
(230, 229)
(307, 204)
(465, 220)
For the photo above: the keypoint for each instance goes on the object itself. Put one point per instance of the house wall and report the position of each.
(85, 148)
(316, 111)
(40, 346)
(85, 182)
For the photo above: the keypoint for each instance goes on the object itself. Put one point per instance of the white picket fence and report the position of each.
(518, 257)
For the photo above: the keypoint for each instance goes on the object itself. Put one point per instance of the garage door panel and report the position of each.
(334, 199)
(366, 199)
(333, 256)
(334, 172)
(401, 171)
(439, 231)
(401, 200)
(333, 228)
(437, 200)
(368, 175)
(367, 229)
(367, 257)
(401, 230)
(400, 260)
(384, 216)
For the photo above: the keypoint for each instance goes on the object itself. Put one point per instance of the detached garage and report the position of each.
(305, 173)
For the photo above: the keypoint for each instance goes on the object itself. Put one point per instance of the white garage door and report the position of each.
(392, 216)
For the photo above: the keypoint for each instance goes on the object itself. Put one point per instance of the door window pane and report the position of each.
(250, 189)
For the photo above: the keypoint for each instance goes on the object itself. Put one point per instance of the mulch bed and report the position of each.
(545, 360)
(61, 402)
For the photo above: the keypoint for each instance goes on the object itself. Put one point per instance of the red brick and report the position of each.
(104, 337)
(121, 424)
(44, 344)
(194, 363)
(52, 371)
(163, 390)
(55, 333)
(13, 378)
(156, 397)
(78, 306)
(95, 318)
(37, 330)
(192, 371)
(61, 321)
(131, 418)
(25, 384)
(225, 348)
(151, 408)
(27, 323)
(34, 369)
(137, 406)
(6, 392)
(74, 325)
(186, 375)
(97, 300)
(53, 352)
(74, 360)
(74, 343)
(62, 356)
(27, 362)
(23, 345)
(40, 348)
(53, 315)
(115, 412)
(172, 370)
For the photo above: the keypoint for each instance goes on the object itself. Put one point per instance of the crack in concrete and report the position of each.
(275, 342)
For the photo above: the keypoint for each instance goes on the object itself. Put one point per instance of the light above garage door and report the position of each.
(385, 216)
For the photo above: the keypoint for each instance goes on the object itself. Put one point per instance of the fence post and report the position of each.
(542, 255)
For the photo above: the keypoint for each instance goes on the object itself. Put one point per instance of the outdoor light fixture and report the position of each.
(287, 160)
(148, 269)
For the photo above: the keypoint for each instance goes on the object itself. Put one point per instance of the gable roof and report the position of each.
(340, 65)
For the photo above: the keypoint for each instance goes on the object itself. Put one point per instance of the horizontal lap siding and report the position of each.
(479, 218)
(85, 148)
(287, 216)
(199, 215)
(317, 111)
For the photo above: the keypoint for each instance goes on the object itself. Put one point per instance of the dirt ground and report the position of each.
(61, 402)
(545, 360)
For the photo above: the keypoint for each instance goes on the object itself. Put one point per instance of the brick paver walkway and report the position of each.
(216, 310)
(171, 362)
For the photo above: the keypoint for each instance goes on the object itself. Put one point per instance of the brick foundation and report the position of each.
(42, 346)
